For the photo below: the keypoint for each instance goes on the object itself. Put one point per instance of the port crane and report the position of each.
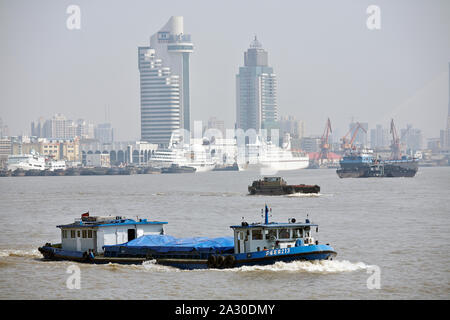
(395, 145)
(324, 146)
(348, 145)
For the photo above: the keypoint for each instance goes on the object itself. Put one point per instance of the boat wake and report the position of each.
(303, 195)
(320, 267)
(20, 253)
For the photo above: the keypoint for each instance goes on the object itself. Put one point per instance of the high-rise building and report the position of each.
(256, 91)
(411, 138)
(214, 123)
(104, 133)
(379, 137)
(4, 132)
(84, 129)
(289, 124)
(164, 83)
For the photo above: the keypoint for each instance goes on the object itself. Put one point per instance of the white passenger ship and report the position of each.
(26, 162)
(195, 156)
(270, 158)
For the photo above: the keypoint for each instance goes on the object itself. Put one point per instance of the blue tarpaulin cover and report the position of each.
(166, 243)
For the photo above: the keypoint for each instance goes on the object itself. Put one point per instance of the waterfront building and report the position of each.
(256, 91)
(164, 83)
(310, 144)
(98, 160)
(127, 152)
(5, 150)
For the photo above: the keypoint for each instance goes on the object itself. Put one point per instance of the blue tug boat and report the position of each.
(252, 244)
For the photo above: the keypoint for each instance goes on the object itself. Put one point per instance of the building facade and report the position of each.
(164, 83)
(256, 91)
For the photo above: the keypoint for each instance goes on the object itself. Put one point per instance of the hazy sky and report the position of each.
(328, 63)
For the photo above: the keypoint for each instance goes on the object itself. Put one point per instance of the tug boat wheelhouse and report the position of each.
(252, 244)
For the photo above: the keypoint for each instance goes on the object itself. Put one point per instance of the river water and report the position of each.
(396, 230)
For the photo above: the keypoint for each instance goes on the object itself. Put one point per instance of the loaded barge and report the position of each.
(277, 186)
(132, 242)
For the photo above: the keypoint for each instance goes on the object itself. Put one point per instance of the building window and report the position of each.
(84, 233)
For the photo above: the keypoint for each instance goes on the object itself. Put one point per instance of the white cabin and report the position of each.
(94, 232)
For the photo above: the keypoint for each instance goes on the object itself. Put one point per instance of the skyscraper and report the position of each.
(256, 91)
(164, 82)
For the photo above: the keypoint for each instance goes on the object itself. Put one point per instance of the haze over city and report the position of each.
(327, 62)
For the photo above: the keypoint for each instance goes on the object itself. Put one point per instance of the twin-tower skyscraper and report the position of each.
(164, 85)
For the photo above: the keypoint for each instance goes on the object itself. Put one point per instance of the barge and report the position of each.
(277, 186)
(126, 241)
(363, 164)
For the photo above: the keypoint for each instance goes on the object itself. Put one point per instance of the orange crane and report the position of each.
(346, 146)
(324, 146)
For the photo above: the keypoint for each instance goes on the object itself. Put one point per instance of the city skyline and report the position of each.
(323, 74)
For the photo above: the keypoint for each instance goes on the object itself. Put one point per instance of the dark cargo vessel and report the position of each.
(364, 165)
(277, 186)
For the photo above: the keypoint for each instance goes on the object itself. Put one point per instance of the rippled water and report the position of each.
(400, 225)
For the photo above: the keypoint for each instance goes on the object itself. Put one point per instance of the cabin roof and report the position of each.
(121, 222)
(275, 225)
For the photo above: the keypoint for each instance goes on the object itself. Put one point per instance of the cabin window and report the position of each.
(89, 233)
(64, 234)
(284, 234)
(272, 235)
(78, 233)
(72, 233)
(297, 233)
(95, 233)
(257, 234)
(84, 233)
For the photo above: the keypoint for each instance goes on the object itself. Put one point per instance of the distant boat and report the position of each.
(26, 162)
(175, 168)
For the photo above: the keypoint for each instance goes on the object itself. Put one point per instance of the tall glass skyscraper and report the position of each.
(256, 91)
(164, 79)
